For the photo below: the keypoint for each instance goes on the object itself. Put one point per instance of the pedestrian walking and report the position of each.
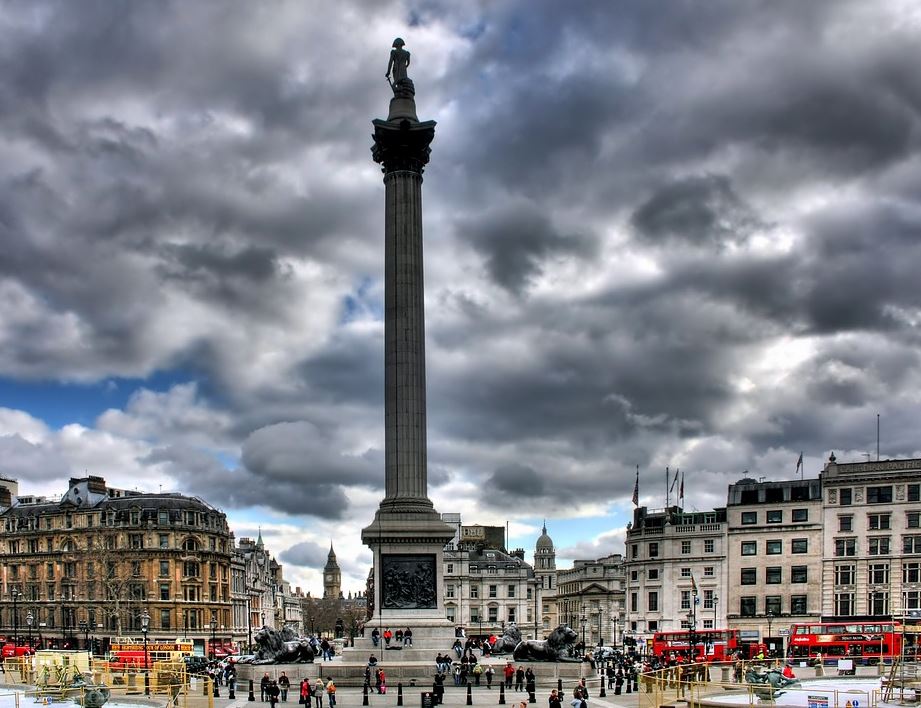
(305, 693)
(273, 692)
(519, 679)
(553, 700)
(490, 672)
(331, 691)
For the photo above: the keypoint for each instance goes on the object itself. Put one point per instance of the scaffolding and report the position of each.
(52, 682)
(904, 678)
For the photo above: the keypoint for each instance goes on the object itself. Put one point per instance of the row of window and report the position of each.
(879, 522)
(492, 591)
(686, 548)
(190, 569)
(653, 573)
(134, 517)
(492, 614)
(774, 547)
(135, 541)
(877, 545)
(31, 592)
(773, 604)
(774, 575)
(879, 495)
(877, 573)
(775, 516)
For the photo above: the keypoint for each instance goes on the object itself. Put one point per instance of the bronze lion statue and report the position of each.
(511, 638)
(553, 648)
(281, 647)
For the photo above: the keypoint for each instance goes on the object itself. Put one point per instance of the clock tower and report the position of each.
(332, 576)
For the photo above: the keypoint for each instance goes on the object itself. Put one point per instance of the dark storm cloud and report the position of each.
(516, 244)
(197, 472)
(305, 553)
(698, 211)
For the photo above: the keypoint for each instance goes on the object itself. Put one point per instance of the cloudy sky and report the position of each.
(679, 234)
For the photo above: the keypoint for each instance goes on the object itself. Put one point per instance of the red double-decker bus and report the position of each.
(868, 642)
(709, 644)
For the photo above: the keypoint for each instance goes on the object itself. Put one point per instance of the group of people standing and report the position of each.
(275, 690)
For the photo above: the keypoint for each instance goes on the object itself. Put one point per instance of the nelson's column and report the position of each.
(407, 535)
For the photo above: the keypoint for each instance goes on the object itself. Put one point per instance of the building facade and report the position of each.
(774, 558)
(86, 567)
(487, 587)
(676, 571)
(590, 599)
(872, 544)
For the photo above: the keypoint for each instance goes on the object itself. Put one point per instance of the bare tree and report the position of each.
(119, 575)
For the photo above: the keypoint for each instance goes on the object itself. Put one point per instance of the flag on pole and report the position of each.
(636, 488)
(674, 481)
(681, 490)
(693, 586)
(799, 463)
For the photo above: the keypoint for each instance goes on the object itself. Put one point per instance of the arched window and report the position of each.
(190, 544)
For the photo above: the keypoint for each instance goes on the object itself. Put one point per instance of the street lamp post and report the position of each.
(583, 620)
(29, 620)
(84, 627)
(213, 629)
(145, 627)
(770, 621)
(716, 601)
(249, 623)
(16, 595)
(692, 636)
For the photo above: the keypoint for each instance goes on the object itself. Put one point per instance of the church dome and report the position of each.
(544, 542)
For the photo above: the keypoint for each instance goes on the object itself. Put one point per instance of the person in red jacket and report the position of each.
(388, 635)
(509, 674)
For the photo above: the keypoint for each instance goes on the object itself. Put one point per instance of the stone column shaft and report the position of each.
(406, 475)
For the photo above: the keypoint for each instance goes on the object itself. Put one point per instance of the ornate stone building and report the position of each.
(871, 565)
(590, 599)
(673, 556)
(89, 564)
(546, 574)
(774, 558)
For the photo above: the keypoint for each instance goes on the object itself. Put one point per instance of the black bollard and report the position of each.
(231, 690)
(252, 696)
(399, 694)
(559, 686)
(628, 685)
(602, 693)
(531, 697)
(502, 693)
(469, 695)
(217, 694)
(364, 694)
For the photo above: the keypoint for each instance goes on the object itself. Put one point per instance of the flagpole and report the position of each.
(666, 486)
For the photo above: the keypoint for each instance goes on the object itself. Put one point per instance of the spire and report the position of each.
(332, 553)
(544, 528)
(259, 543)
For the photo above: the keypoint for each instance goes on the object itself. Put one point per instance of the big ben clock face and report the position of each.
(329, 578)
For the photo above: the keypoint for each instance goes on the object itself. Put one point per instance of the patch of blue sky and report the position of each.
(59, 403)
(363, 303)
(567, 532)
